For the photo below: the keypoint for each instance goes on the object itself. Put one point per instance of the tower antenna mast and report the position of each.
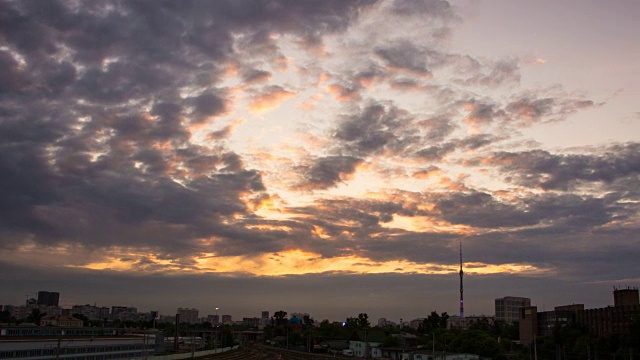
(461, 288)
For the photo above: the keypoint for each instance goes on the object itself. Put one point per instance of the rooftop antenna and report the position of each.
(461, 288)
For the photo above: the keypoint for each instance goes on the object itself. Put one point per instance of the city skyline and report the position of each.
(327, 157)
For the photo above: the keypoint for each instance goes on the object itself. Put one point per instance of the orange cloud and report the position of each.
(343, 93)
(270, 99)
(288, 262)
(312, 102)
(281, 63)
(427, 173)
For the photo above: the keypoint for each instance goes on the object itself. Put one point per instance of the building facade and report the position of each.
(58, 320)
(528, 324)
(625, 297)
(508, 308)
(33, 343)
(601, 322)
(188, 315)
(48, 298)
(465, 323)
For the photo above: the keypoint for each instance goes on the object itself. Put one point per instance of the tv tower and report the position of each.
(461, 273)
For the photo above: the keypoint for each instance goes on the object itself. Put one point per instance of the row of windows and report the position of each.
(97, 357)
(49, 331)
(66, 351)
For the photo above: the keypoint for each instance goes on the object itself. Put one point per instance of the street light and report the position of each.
(215, 342)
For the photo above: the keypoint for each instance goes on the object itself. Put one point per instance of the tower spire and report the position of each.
(461, 288)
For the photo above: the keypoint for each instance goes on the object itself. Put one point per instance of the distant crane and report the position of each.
(29, 295)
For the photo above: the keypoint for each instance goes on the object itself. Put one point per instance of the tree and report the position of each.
(444, 320)
(307, 321)
(363, 320)
(35, 316)
(360, 322)
(280, 317)
(481, 324)
(477, 342)
(434, 321)
(5, 317)
(391, 342)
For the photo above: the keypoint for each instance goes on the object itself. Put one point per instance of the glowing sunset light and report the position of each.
(284, 154)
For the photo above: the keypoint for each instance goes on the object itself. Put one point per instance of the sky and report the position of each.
(327, 157)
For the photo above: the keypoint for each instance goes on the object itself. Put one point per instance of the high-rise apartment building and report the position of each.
(226, 319)
(188, 315)
(92, 312)
(616, 319)
(508, 308)
(213, 319)
(528, 324)
(115, 310)
(48, 298)
(624, 297)
(264, 318)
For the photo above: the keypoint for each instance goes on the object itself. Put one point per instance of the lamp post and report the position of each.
(215, 342)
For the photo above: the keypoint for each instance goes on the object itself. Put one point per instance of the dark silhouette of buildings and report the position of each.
(602, 322)
(614, 319)
(48, 298)
(508, 308)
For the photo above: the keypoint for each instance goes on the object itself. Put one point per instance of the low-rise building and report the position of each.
(465, 323)
(446, 356)
(366, 343)
(602, 322)
(75, 343)
(188, 315)
(59, 320)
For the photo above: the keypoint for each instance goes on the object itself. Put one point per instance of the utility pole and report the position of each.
(366, 345)
(175, 338)
(58, 347)
(193, 346)
(433, 344)
(144, 349)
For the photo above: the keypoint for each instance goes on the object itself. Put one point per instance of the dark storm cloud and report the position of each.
(94, 131)
(477, 141)
(496, 74)
(373, 129)
(531, 108)
(206, 105)
(481, 112)
(436, 153)
(328, 171)
(437, 128)
(360, 227)
(432, 8)
(439, 152)
(405, 56)
(481, 210)
(251, 76)
(539, 168)
(549, 248)
(560, 212)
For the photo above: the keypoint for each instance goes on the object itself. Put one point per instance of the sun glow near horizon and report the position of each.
(298, 262)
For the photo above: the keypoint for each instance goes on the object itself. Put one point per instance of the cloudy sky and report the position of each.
(319, 156)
